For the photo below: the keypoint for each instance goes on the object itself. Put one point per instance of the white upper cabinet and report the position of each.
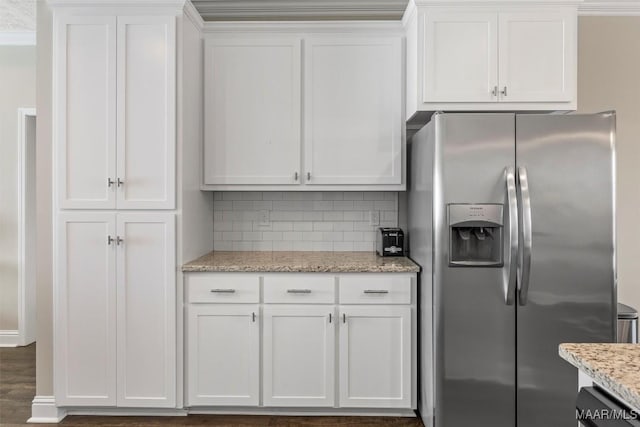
(486, 58)
(114, 112)
(460, 56)
(308, 111)
(146, 112)
(353, 110)
(84, 113)
(537, 56)
(252, 110)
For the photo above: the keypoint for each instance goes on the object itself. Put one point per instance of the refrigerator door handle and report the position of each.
(524, 259)
(509, 278)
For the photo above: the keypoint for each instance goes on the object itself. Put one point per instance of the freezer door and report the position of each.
(567, 163)
(474, 345)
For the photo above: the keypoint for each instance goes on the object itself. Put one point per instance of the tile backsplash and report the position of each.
(300, 221)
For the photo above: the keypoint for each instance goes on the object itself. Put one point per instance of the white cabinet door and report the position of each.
(84, 111)
(146, 320)
(353, 110)
(460, 60)
(252, 110)
(375, 357)
(223, 355)
(85, 314)
(298, 355)
(537, 56)
(146, 138)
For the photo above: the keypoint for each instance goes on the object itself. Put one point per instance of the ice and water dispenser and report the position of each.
(475, 235)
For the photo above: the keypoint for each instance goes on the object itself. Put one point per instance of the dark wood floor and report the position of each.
(17, 388)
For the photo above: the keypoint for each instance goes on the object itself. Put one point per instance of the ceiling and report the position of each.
(225, 10)
(17, 15)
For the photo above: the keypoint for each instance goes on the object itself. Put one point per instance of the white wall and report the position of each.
(44, 267)
(609, 79)
(17, 89)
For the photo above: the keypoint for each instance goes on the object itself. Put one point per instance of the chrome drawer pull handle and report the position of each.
(298, 291)
(223, 291)
(373, 291)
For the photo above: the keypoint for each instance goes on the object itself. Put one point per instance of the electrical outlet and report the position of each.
(374, 217)
(263, 219)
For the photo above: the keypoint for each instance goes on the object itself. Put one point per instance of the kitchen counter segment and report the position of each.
(616, 367)
(297, 262)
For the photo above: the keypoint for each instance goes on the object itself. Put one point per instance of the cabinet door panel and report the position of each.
(146, 112)
(298, 355)
(460, 56)
(85, 111)
(537, 56)
(223, 355)
(146, 310)
(252, 110)
(375, 357)
(85, 335)
(353, 110)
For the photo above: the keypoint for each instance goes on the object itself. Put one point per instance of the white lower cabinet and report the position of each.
(298, 356)
(223, 355)
(280, 340)
(85, 300)
(375, 356)
(146, 310)
(115, 314)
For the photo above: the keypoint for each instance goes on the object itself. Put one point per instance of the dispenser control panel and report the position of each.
(475, 235)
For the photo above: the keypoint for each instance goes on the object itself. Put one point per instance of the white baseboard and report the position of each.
(304, 412)
(44, 410)
(9, 338)
(127, 412)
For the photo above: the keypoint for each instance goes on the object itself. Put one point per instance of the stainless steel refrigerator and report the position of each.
(511, 217)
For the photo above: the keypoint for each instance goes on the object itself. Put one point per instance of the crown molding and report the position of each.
(609, 8)
(15, 38)
(494, 3)
(117, 3)
(254, 10)
(193, 15)
(305, 27)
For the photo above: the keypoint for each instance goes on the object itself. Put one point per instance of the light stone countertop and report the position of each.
(616, 367)
(318, 262)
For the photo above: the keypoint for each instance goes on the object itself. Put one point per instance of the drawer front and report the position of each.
(310, 288)
(379, 288)
(223, 288)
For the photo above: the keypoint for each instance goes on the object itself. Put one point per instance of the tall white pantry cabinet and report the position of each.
(114, 132)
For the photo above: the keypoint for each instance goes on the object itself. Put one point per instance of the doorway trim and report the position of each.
(26, 290)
